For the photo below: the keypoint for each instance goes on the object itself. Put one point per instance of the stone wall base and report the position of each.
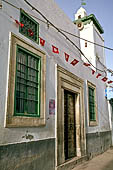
(97, 143)
(35, 155)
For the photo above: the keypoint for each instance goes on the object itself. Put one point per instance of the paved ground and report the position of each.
(101, 162)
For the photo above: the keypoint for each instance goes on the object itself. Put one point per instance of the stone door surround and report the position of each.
(72, 83)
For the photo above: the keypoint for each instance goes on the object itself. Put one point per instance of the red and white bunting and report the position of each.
(93, 71)
(42, 42)
(55, 49)
(66, 56)
(98, 75)
(104, 79)
(86, 64)
(19, 23)
(74, 62)
(110, 81)
(30, 32)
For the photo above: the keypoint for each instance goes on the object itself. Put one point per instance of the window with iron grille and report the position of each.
(27, 88)
(92, 113)
(30, 28)
(26, 99)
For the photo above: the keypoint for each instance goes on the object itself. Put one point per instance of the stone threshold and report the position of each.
(70, 164)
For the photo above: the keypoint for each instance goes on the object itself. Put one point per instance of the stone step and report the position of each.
(70, 164)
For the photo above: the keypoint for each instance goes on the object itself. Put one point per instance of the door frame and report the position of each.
(72, 83)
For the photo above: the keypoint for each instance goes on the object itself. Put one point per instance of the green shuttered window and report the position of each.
(27, 87)
(92, 114)
(30, 28)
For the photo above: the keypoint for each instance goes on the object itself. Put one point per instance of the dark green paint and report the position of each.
(91, 18)
(26, 83)
(29, 23)
(92, 114)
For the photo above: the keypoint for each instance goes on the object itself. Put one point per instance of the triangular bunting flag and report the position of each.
(74, 62)
(42, 42)
(86, 64)
(93, 71)
(31, 32)
(98, 75)
(66, 57)
(109, 82)
(19, 23)
(104, 79)
(55, 49)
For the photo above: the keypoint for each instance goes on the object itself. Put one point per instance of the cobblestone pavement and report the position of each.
(100, 162)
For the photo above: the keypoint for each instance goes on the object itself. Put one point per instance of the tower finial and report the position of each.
(81, 12)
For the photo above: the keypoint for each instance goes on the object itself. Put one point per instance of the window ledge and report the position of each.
(18, 121)
(93, 123)
(23, 121)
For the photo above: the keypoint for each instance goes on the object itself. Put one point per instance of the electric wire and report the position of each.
(108, 48)
(62, 34)
(50, 44)
(60, 31)
(11, 4)
(59, 49)
(63, 31)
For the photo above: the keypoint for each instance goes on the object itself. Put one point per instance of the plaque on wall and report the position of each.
(51, 107)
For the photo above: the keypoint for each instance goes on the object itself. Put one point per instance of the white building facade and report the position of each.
(91, 31)
(53, 110)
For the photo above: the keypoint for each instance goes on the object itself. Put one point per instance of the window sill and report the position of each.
(23, 121)
(93, 123)
(20, 121)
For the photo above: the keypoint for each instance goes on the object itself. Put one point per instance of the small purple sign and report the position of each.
(51, 107)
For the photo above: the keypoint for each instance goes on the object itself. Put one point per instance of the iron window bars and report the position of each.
(27, 86)
(30, 28)
(92, 114)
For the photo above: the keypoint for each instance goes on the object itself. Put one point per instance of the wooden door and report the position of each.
(69, 125)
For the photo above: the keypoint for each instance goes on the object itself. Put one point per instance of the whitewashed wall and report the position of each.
(52, 37)
(88, 33)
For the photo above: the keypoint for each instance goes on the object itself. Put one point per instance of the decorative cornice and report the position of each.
(89, 18)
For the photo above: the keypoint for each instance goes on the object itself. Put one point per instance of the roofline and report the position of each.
(95, 21)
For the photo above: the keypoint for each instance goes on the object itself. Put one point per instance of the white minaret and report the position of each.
(91, 30)
(80, 13)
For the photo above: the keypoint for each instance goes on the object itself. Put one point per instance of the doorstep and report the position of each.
(68, 165)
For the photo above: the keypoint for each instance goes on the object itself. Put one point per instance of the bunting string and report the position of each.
(61, 31)
(67, 56)
(75, 61)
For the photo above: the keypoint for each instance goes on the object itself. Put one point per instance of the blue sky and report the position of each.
(103, 10)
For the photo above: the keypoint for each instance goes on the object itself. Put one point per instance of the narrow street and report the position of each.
(101, 162)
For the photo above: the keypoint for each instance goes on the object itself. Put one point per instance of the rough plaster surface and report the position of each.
(97, 143)
(38, 155)
(52, 37)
